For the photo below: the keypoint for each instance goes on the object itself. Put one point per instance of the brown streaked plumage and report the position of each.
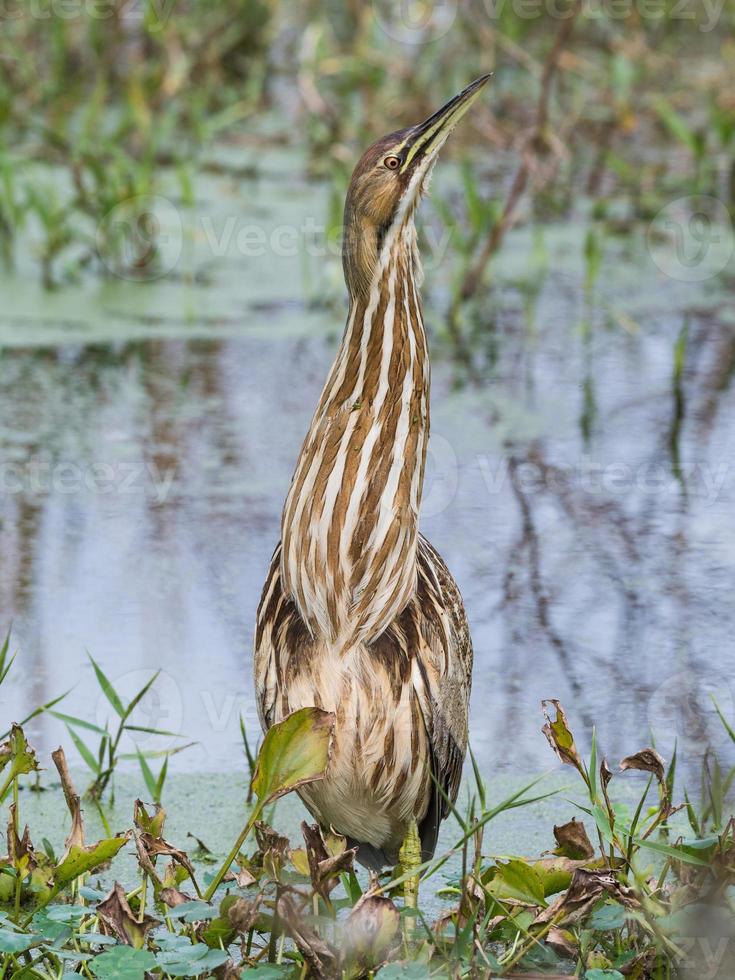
(359, 614)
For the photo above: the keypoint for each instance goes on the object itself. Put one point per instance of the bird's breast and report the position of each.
(377, 780)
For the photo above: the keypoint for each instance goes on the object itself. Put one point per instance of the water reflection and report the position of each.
(143, 484)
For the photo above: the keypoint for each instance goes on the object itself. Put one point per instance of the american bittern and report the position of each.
(359, 614)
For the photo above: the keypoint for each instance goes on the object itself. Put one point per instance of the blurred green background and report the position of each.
(115, 94)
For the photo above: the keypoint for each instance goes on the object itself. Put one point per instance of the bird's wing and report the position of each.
(442, 680)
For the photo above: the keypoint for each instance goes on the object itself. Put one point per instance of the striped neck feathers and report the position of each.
(350, 523)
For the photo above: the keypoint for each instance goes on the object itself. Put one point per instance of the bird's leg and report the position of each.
(410, 858)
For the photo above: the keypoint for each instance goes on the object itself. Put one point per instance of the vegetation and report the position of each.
(651, 898)
(116, 103)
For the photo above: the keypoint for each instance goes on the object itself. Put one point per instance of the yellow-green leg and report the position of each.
(410, 858)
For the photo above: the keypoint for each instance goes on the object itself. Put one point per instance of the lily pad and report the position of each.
(191, 961)
(17, 942)
(122, 963)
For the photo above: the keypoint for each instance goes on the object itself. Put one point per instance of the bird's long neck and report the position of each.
(350, 523)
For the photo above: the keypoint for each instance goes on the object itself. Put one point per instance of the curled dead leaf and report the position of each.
(20, 849)
(173, 897)
(242, 878)
(563, 942)
(648, 760)
(560, 737)
(585, 890)
(572, 841)
(273, 849)
(606, 774)
(117, 919)
(325, 868)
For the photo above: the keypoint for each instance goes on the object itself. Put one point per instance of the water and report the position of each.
(149, 432)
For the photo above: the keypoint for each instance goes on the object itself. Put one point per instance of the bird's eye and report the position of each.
(392, 163)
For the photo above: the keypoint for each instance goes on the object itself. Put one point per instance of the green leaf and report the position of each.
(18, 755)
(107, 688)
(122, 963)
(141, 694)
(17, 942)
(84, 751)
(673, 852)
(603, 975)
(521, 882)
(161, 780)
(602, 820)
(81, 860)
(5, 664)
(593, 767)
(150, 779)
(79, 723)
(608, 917)
(192, 961)
(294, 752)
(194, 911)
(400, 971)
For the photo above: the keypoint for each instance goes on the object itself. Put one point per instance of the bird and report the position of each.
(359, 614)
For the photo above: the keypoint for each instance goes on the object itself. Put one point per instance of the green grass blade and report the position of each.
(160, 782)
(728, 727)
(150, 780)
(79, 723)
(140, 695)
(593, 767)
(84, 751)
(107, 688)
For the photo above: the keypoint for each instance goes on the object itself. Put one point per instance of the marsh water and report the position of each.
(580, 488)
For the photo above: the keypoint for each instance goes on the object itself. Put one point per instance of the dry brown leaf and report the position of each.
(173, 897)
(584, 892)
(20, 849)
(273, 847)
(73, 801)
(324, 868)
(572, 841)
(117, 919)
(648, 760)
(242, 878)
(562, 941)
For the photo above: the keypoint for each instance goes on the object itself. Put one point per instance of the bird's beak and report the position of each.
(425, 140)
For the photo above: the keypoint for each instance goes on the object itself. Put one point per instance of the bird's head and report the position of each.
(388, 182)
